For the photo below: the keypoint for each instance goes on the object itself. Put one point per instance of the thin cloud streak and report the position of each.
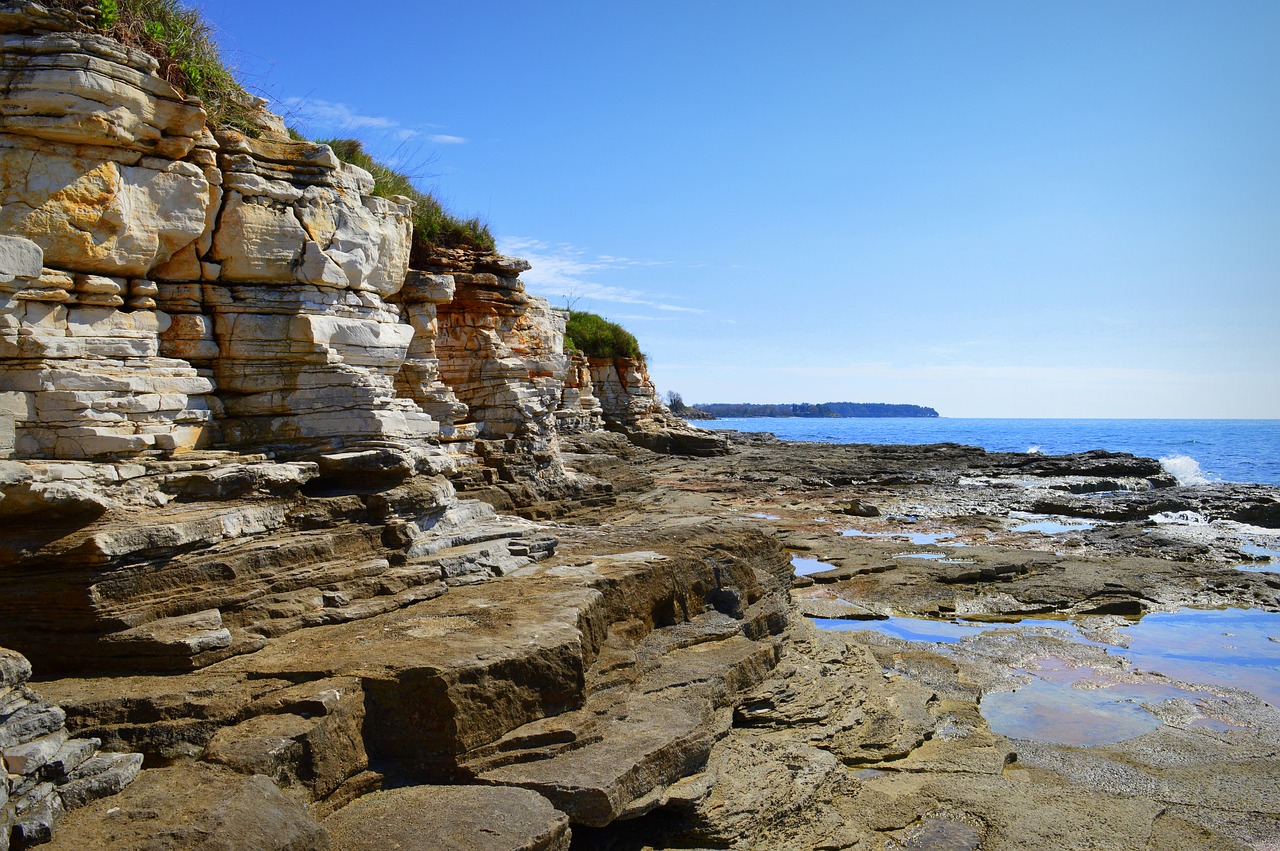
(335, 116)
(567, 271)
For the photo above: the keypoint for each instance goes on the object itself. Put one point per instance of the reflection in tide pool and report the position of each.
(1054, 712)
(1052, 527)
(1236, 648)
(805, 566)
(1228, 647)
(920, 539)
(1271, 554)
(927, 629)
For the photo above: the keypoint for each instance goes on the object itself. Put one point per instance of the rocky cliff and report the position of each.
(231, 412)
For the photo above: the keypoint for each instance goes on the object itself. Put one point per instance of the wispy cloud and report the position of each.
(567, 271)
(333, 116)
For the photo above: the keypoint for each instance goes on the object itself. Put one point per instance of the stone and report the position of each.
(70, 756)
(193, 806)
(450, 818)
(29, 757)
(19, 258)
(315, 751)
(29, 723)
(102, 217)
(258, 240)
(37, 817)
(98, 777)
(85, 89)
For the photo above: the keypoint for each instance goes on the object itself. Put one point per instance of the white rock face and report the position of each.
(86, 89)
(167, 287)
(100, 216)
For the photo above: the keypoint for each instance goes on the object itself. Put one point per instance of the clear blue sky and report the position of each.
(993, 208)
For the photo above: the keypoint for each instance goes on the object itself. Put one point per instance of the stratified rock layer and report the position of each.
(46, 771)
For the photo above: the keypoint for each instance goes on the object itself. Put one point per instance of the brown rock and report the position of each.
(450, 818)
(193, 807)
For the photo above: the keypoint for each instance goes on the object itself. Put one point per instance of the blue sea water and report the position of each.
(1193, 450)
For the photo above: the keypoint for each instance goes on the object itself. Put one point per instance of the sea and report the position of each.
(1194, 451)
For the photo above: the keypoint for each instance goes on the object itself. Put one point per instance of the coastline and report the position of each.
(697, 705)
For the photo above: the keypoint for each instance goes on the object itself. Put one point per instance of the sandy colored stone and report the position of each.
(193, 806)
(450, 818)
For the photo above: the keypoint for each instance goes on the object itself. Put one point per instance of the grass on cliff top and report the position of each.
(432, 223)
(597, 337)
(182, 42)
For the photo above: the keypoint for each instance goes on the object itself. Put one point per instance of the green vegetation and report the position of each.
(432, 223)
(182, 42)
(824, 409)
(597, 337)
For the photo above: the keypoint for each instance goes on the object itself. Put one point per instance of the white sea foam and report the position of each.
(1185, 469)
(1035, 449)
(1180, 518)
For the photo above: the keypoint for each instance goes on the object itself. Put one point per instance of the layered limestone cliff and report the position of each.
(630, 404)
(167, 287)
(236, 407)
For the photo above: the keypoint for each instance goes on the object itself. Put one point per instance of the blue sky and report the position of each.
(993, 208)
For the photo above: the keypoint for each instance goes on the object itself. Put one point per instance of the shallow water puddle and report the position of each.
(1075, 705)
(1239, 648)
(1056, 712)
(928, 629)
(760, 515)
(922, 555)
(1271, 554)
(1078, 705)
(920, 539)
(805, 566)
(1050, 526)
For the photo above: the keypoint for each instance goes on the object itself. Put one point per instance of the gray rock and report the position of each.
(30, 722)
(14, 668)
(52, 499)
(69, 757)
(103, 775)
(26, 759)
(37, 817)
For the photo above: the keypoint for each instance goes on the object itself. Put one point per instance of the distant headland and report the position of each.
(807, 409)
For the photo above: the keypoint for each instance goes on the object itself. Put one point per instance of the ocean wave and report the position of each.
(1185, 469)
(1035, 449)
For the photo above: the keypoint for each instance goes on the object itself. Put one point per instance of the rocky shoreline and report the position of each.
(309, 540)
(649, 680)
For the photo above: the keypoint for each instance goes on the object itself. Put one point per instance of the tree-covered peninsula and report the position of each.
(820, 410)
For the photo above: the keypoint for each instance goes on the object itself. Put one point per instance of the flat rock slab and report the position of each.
(450, 818)
(192, 807)
(451, 674)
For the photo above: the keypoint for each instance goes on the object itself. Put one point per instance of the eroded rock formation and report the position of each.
(630, 405)
(46, 770)
(231, 413)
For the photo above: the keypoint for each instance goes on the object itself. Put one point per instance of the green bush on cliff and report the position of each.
(597, 337)
(182, 42)
(432, 223)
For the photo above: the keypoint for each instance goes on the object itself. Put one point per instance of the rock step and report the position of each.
(450, 818)
(192, 805)
(99, 776)
(615, 756)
